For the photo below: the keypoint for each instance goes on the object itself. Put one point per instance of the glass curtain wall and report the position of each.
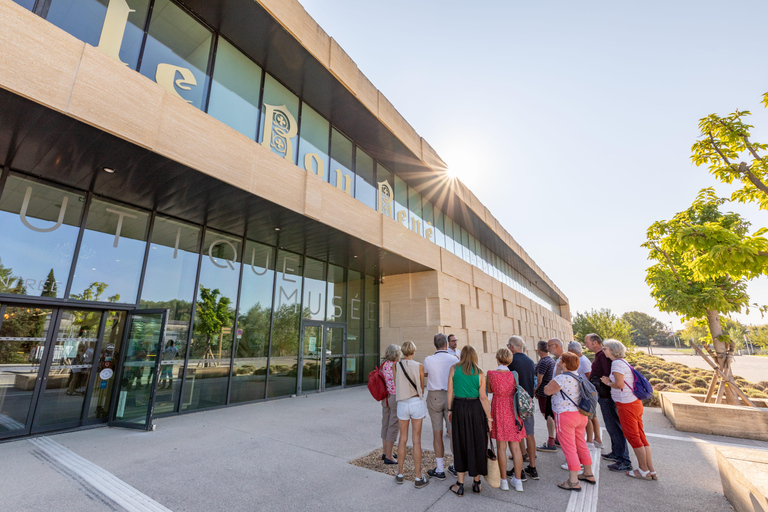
(207, 374)
(355, 307)
(286, 320)
(365, 181)
(371, 323)
(315, 136)
(169, 283)
(255, 313)
(342, 175)
(278, 132)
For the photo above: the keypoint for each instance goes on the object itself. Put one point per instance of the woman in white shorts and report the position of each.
(409, 385)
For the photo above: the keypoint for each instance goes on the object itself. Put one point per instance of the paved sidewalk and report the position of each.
(293, 454)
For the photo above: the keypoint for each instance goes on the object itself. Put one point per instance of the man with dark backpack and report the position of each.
(601, 367)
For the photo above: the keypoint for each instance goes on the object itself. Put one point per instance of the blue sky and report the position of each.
(572, 121)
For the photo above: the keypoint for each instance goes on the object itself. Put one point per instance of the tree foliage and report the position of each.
(212, 315)
(601, 322)
(646, 328)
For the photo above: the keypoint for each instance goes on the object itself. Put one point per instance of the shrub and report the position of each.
(654, 401)
(699, 382)
(685, 386)
(753, 393)
(679, 380)
(667, 378)
(655, 381)
(698, 391)
(661, 387)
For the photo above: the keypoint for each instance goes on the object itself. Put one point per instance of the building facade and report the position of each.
(206, 203)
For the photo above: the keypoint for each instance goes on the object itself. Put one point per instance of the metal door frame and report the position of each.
(148, 425)
(324, 326)
(343, 326)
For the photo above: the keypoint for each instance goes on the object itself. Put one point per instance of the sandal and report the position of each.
(459, 489)
(590, 479)
(654, 476)
(638, 473)
(476, 488)
(568, 486)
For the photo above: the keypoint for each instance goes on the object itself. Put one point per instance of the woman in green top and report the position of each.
(470, 417)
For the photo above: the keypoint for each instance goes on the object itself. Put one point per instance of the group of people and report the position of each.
(457, 401)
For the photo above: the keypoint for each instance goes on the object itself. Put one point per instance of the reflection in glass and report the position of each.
(337, 294)
(401, 202)
(439, 227)
(176, 53)
(169, 283)
(286, 318)
(27, 4)
(312, 352)
(365, 183)
(341, 175)
(276, 95)
(315, 133)
(235, 90)
(138, 377)
(111, 254)
(85, 19)
(23, 331)
(61, 401)
(414, 207)
(314, 290)
(334, 356)
(371, 325)
(107, 359)
(449, 240)
(429, 221)
(38, 237)
(252, 346)
(209, 361)
(356, 307)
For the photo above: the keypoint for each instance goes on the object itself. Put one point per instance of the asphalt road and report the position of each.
(752, 368)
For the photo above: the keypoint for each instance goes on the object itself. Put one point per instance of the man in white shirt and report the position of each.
(437, 367)
(452, 346)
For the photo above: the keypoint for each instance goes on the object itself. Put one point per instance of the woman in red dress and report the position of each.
(502, 383)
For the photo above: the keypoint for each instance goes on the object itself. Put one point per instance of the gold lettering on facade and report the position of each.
(111, 38)
(386, 195)
(428, 231)
(165, 76)
(416, 226)
(279, 128)
(401, 218)
(347, 186)
(318, 168)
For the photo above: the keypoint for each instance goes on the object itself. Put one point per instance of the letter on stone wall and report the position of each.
(165, 76)
(318, 168)
(112, 31)
(279, 128)
(347, 186)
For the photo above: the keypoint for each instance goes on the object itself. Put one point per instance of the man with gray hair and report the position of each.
(526, 370)
(437, 367)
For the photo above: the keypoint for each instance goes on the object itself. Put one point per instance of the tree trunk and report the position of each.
(722, 354)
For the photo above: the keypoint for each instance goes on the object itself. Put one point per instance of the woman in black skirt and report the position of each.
(470, 417)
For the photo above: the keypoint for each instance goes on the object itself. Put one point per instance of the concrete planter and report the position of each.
(744, 474)
(689, 413)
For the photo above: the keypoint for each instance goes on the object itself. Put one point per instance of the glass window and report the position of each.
(169, 283)
(414, 207)
(371, 348)
(472, 250)
(356, 309)
(111, 254)
(313, 146)
(401, 202)
(208, 371)
(284, 352)
(27, 4)
(252, 346)
(235, 90)
(176, 53)
(279, 127)
(117, 31)
(101, 396)
(386, 204)
(341, 175)
(365, 181)
(314, 290)
(439, 228)
(464, 243)
(337, 294)
(38, 237)
(429, 221)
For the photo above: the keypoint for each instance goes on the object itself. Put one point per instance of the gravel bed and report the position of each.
(373, 462)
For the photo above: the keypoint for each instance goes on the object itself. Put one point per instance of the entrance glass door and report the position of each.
(140, 369)
(321, 356)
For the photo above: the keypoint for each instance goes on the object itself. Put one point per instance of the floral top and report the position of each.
(570, 386)
(389, 376)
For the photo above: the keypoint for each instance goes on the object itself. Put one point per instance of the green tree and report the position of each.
(695, 330)
(601, 322)
(731, 156)
(49, 288)
(677, 281)
(758, 335)
(646, 328)
(212, 315)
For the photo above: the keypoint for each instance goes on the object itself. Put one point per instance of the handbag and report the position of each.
(492, 476)
(523, 406)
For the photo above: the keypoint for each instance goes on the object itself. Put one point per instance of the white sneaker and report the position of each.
(517, 484)
(504, 485)
(598, 444)
(590, 446)
(565, 467)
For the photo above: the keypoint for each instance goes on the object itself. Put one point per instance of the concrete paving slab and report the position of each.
(294, 454)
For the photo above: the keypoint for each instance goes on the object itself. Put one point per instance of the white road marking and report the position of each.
(102, 480)
(586, 500)
(689, 439)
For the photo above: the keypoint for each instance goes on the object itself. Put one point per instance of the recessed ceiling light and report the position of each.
(277, 229)
(109, 170)
(355, 256)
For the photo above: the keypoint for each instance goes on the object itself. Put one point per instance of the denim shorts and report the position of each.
(411, 409)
